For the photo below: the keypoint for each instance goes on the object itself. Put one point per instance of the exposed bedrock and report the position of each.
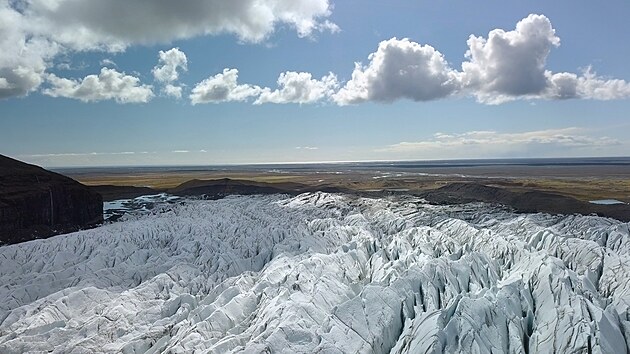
(36, 203)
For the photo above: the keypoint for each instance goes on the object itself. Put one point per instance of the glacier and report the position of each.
(321, 273)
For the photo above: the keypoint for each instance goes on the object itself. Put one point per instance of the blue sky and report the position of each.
(82, 83)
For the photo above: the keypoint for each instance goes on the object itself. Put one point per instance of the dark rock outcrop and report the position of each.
(219, 188)
(36, 203)
(109, 192)
(523, 201)
(222, 187)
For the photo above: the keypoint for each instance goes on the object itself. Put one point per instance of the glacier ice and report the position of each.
(320, 272)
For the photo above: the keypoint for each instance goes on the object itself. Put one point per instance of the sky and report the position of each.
(191, 82)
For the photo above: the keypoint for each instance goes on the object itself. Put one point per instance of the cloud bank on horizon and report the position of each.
(570, 141)
(504, 66)
(472, 144)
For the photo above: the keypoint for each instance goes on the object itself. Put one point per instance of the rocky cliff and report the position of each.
(36, 203)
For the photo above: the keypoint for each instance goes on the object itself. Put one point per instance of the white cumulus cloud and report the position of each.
(34, 32)
(109, 84)
(299, 88)
(510, 64)
(399, 69)
(586, 86)
(170, 63)
(223, 87)
(23, 59)
(505, 66)
(173, 90)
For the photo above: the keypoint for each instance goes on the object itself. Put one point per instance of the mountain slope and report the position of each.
(36, 203)
(322, 273)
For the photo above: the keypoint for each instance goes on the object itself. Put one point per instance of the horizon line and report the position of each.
(333, 162)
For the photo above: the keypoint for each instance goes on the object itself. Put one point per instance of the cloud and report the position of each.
(223, 87)
(294, 87)
(306, 148)
(82, 65)
(587, 86)
(170, 63)
(108, 85)
(172, 91)
(86, 24)
(108, 62)
(510, 64)
(84, 154)
(496, 144)
(34, 32)
(299, 88)
(400, 69)
(505, 66)
(327, 26)
(23, 60)
(67, 159)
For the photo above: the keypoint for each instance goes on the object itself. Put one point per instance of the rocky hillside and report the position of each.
(111, 192)
(220, 188)
(36, 203)
(525, 202)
